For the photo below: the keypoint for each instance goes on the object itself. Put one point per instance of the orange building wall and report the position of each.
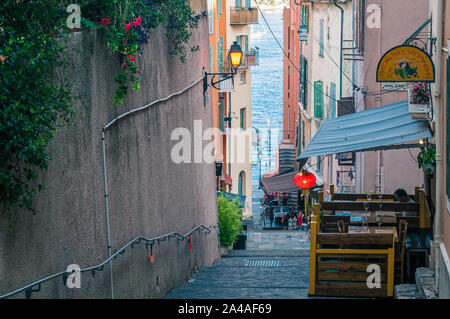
(291, 45)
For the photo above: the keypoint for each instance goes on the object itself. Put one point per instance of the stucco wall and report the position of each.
(397, 23)
(149, 195)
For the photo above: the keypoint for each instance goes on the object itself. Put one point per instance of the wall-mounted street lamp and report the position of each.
(235, 57)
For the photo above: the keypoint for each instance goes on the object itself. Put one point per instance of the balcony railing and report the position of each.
(227, 85)
(250, 58)
(243, 16)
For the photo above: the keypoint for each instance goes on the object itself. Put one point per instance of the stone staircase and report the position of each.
(423, 288)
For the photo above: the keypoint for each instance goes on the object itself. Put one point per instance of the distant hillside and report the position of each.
(273, 2)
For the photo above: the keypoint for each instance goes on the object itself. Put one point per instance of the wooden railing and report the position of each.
(355, 197)
(345, 271)
(353, 202)
(243, 15)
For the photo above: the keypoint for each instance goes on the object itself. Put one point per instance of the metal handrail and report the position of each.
(148, 241)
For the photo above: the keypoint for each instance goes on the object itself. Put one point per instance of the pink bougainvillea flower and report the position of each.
(139, 71)
(128, 26)
(131, 58)
(106, 21)
(137, 21)
(124, 65)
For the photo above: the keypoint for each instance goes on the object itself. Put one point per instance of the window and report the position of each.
(241, 183)
(304, 17)
(321, 37)
(242, 77)
(243, 42)
(219, 8)
(318, 99)
(303, 134)
(243, 118)
(333, 100)
(221, 113)
(210, 16)
(303, 81)
(220, 53)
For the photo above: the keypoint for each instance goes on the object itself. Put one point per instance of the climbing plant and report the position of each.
(127, 24)
(34, 104)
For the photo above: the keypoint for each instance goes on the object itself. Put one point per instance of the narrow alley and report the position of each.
(274, 265)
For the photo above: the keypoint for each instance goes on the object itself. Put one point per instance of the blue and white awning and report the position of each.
(387, 127)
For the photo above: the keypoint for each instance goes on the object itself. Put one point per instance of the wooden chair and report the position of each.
(400, 248)
(342, 227)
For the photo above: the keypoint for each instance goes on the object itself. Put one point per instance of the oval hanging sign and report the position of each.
(405, 63)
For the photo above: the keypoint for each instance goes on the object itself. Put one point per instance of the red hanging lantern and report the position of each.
(305, 180)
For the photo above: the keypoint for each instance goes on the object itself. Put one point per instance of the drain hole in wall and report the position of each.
(157, 281)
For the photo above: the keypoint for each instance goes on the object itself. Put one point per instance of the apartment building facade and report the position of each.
(233, 100)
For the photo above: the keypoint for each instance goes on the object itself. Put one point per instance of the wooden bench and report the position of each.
(344, 271)
(357, 197)
(329, 223)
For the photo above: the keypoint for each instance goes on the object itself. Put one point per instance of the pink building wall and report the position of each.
(399, 19)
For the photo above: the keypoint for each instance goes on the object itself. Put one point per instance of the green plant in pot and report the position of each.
(229, 220)
(427, 159)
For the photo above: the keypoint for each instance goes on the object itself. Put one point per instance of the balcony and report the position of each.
(239, 16)
(227, 85)
(250, 58)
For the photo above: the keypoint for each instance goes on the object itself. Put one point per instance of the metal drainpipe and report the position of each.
(342, 34)
(438, 133)
(108, 232)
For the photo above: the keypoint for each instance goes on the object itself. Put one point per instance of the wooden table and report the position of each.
(387, 218)
(373, 230)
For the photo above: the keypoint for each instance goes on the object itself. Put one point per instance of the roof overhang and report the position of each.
(383, 128)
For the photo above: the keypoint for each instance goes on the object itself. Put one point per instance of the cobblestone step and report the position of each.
(230, 278)
(269, 253)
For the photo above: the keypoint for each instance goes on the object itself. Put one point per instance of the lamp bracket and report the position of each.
(227, 76)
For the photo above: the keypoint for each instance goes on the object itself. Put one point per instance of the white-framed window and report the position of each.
(242, 76)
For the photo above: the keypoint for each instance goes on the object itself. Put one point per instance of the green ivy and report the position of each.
(34, 104)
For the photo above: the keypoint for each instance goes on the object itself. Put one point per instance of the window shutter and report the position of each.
(246, 43)
(305, 84)
(220, 53)
(237, 3)
(219, 8)
(239, 40)
(240, 184)
(303, 134)
(318, 100)
(300, 82)
(333, 100)
(243, 118)
(307, 17)
(221, 114)
(248, 4)
(321, 37)
(210, 16)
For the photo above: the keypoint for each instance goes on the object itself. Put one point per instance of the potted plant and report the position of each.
(427, 160)
(229, 222)
(419, 101)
